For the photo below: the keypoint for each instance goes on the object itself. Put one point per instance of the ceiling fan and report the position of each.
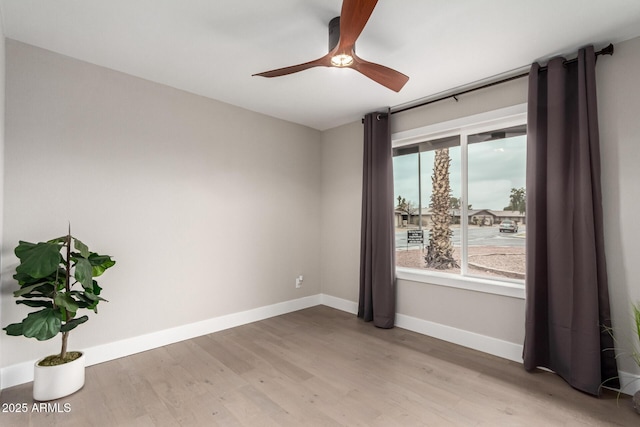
(343, 33)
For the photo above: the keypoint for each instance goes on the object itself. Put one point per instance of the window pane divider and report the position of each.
(464, 205)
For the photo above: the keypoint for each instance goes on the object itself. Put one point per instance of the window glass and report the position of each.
(496, 188)
(437, 230)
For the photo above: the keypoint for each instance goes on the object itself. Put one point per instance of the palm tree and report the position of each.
(440, 250)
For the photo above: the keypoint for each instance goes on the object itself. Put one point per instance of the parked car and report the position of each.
(508, 226)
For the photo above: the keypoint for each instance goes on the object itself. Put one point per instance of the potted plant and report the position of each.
(58, 281)
(634, 352)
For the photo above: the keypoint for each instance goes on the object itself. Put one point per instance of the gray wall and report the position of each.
(492, 315)
(208, 209)
(341, 210)
(619, 119)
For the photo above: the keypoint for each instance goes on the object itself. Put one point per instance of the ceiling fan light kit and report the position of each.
(344, 30)
(341, 60)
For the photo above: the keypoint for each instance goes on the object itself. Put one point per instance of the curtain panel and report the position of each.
(567, 297)
(377, 298)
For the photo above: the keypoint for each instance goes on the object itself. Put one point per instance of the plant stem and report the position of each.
(67, 262)
(63, 351)
(67, 287)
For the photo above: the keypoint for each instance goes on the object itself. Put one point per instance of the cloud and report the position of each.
(494, 168)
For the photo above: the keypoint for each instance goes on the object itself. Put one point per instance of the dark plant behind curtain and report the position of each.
(377, 241)
(567, 293)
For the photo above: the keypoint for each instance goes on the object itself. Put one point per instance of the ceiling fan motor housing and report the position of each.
(334, 33)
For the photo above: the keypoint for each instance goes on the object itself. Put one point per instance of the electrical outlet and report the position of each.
(299, 280)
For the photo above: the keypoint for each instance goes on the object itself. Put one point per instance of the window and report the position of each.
(460, 200)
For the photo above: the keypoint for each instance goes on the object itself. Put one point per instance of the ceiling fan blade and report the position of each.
(325, 61)
(385, 76)
(353, 18)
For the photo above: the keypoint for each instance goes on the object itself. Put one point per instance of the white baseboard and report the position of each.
(486, 344)
(339, 304)
(23, 372)
(630, 383)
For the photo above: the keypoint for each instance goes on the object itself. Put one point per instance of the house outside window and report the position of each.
(460, 202)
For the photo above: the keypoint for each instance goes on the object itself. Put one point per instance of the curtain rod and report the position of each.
(605, 51)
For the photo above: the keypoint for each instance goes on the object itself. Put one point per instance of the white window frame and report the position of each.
(470, 125)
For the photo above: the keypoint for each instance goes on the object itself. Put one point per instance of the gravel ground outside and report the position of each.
(495, 261)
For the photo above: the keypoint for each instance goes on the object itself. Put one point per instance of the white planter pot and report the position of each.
(54, 382)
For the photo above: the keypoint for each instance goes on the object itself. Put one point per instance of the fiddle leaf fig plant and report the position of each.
(633, 351)
(58, 280)
(636, 326)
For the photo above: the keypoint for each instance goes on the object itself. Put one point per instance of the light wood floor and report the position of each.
(319, 367)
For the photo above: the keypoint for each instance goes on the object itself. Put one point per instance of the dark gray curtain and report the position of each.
(567, 294)
(377, 241)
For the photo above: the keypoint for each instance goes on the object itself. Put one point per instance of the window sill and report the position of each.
(505, 288)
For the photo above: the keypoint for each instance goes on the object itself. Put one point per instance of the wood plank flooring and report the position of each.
(318, 367)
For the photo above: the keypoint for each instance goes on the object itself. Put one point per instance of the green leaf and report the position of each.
(88, 300)
(14, 329)
(100, 263)
(81, 247)
(22, 248)
(42, 325)
(35, 303)
(96, 289)
(90, 296)
(25, 279)
(83, 304)
(45, 289)
(636, 317)
(71, 324)
(61, 239)
(38, 260)
(55, 277)
(83, 273)
(67, 302)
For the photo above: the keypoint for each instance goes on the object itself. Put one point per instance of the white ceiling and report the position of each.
(212, 47)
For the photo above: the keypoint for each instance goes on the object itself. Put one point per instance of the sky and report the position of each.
(495, 167)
